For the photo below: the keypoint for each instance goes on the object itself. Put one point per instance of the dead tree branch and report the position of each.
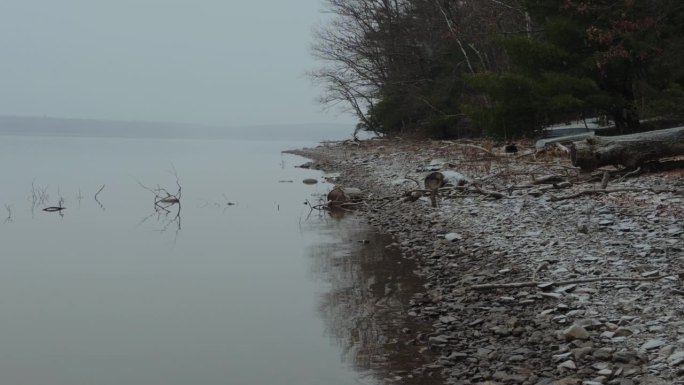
(97, 200)
(516, 285)
(608, 191)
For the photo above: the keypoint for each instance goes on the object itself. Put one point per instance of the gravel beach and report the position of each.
(536, 274)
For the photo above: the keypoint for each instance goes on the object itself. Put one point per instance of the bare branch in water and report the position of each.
(164, 205)
(97, 200)
(9, 213)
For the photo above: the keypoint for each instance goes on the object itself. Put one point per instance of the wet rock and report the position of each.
(310, 181)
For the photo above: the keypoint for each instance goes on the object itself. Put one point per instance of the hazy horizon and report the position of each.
(50, 126)
(209, 62)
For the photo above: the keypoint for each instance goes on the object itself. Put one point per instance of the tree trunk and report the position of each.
(627, 150)
(626, 119)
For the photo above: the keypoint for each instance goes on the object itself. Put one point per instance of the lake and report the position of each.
(239, 284)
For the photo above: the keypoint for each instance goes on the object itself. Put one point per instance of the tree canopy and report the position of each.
(442, 67)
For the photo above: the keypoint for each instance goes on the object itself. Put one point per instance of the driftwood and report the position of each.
(473, 146)
(627, 150)
(53, 209)
(516, 285)
(549, 179)
(610, 190)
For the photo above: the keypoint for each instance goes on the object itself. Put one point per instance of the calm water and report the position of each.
(114, 292)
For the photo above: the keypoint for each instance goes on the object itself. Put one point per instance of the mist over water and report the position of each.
(217, 290)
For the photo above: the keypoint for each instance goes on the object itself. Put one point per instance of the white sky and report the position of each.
(224, 62)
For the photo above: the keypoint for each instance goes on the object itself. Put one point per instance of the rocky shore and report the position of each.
(585, 280)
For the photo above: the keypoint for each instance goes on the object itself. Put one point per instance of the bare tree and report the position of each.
(408, 53)
(357, 48)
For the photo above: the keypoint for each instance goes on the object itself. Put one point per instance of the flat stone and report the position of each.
(580, 353)
(451, 237)
(569, 364)
(676, 358)
(575, 332)
(439, 339)
(602, 354)
(605, 372)
(561, 357)
(476, 322)
(457, 356)
(567, 381)
(652, 344)
(623, 332)
(607, 334)
(624, 357)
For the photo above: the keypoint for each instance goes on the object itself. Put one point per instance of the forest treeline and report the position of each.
(454, 68)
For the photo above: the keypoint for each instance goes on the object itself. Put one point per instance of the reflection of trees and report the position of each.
(365, 309)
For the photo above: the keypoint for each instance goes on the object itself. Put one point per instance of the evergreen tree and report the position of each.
(593, 55)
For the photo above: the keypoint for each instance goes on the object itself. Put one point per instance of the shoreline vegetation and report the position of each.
(504, 68)
(536, 272)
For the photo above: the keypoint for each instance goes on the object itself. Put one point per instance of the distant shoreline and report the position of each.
(65, 127)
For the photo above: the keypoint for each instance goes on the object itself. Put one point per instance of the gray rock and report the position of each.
(457, 356)
(676, 358)
(561, 357)
(575, 332)
(603, 354)
(652, 344)
(605, 372)
(623, 332)
(451, 237)
(567, 381)
(580, 353)
(439, 339)
(625, 357)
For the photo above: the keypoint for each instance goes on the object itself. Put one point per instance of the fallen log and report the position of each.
(627, 150)
(656, 190)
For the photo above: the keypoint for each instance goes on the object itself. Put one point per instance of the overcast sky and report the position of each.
(222, 62)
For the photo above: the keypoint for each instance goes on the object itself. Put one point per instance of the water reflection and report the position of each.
(365, 305)
(95, 197)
